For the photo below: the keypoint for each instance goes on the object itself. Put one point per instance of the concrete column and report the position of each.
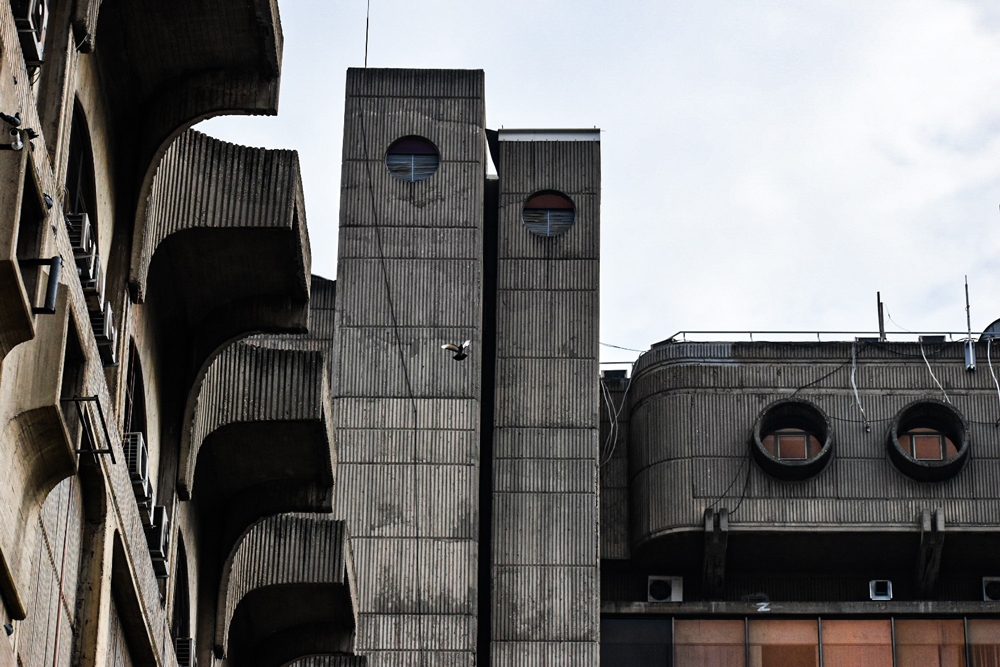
(545, 502)
(406, 413)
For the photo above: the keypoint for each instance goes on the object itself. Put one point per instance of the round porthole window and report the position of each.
(412, 159)
(792, 440)
(929, 441)
(548, 214)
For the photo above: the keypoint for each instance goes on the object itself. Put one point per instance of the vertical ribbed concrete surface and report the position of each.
(545, 522)
(406, 413)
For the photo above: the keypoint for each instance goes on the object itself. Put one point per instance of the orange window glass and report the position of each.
(790, 444)
(857, 643)
(984, 642)
(925, 444)
(709, 644)
(930, 643)
(778, 643)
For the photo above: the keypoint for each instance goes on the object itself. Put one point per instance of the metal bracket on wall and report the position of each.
(931, 545)
(51, 288)
(104, 425)
(716, 542)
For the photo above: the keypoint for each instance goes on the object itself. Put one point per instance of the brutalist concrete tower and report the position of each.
(545, 512)
(407, 412)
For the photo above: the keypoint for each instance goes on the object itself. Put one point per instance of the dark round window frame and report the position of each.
(792, 413)
(940, 416)
(412, 137)
(543, 193)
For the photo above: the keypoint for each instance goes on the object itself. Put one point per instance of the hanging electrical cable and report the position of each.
(931, 371)
(989, 362)
(854, 386)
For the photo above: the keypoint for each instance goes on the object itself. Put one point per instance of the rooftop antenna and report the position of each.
(970, 345)
(368, 14)
(881, 318)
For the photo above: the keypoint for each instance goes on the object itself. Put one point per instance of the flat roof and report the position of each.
(529, 134)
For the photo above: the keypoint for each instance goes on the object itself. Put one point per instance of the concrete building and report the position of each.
(802, 504)
(212, 456)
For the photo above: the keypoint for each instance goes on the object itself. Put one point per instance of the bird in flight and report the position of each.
(459, 350)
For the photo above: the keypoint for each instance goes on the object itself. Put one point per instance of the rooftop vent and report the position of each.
(549, 214)
(412, 159)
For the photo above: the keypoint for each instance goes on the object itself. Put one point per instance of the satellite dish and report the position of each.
(992, 331)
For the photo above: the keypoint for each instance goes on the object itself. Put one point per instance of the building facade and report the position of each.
(215, 457)
(802, 504)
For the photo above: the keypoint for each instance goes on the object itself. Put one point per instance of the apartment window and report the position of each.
(412, 159)
(549, 214)
(792, 444)
(928, 441)
(800, 642)
(792, 440)
(30, 235)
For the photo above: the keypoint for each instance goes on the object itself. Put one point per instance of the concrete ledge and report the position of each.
(892, 608)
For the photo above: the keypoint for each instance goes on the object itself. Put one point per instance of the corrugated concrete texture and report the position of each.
(205, 183)
(545, 516)
(407, 414)
(284, 551)
(693, 408)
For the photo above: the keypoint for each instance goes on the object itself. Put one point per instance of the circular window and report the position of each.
(548, 214)
(928, 441)
(412, 159)
(792, 440)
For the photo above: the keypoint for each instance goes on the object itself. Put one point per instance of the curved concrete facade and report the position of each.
(287, 592)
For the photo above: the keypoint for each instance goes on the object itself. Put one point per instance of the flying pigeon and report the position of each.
(459, 350)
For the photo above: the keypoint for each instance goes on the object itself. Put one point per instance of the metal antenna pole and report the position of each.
(970, 345)
(368, 14)
(881, 319)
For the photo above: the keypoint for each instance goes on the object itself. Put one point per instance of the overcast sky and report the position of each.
(766, 165)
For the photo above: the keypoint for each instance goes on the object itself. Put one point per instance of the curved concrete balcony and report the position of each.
(224, 251)
(169, 65)
(287, 592)
(260, 438)
(330, 661)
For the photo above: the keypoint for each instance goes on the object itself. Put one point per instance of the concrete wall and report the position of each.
(407, 414)
(545, 504)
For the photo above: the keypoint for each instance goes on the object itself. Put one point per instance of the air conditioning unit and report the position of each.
(103, 324)
(991, 589)
(187, 655)
(137, 460)
(79, 231)
(93, 288)
(880, 589)
(84, 245)
(665, 589)
(158, 540)
(31, 18)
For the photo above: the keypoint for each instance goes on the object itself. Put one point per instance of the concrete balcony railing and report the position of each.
(287, 592)
(224, 250)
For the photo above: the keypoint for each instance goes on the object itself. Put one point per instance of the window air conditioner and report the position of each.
(93, 288)
(991, 589)
(158, 539)
(665, 589)
(84, 245)
(103, 324)
(31, 18)
(137, 460)
(186, 652)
